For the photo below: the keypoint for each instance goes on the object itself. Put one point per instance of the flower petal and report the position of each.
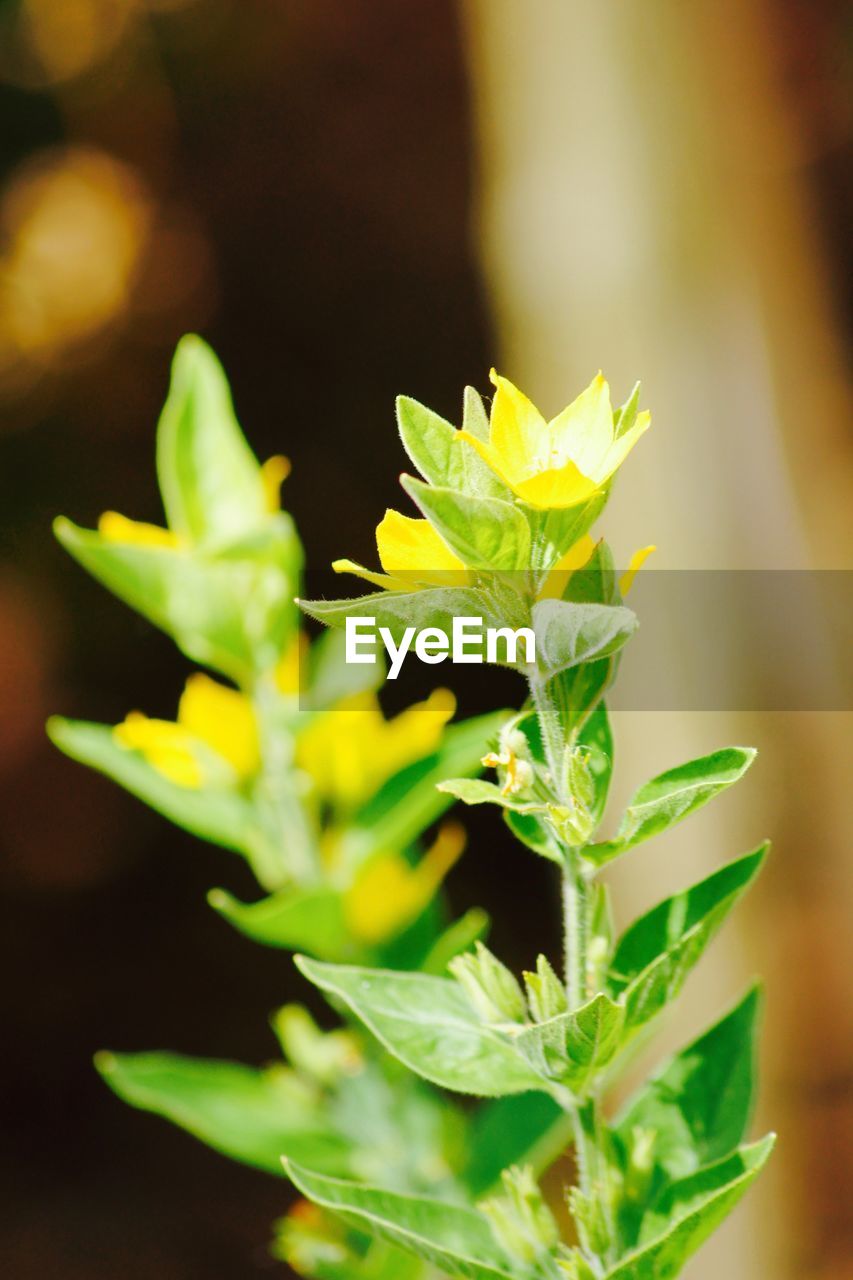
(273, 474)
(583, 432)
(117, 528)
(389, 894)
(518, 434)
(635, 564)
(383, 580)
(167, 747)
(562, 487)
(411, 546)
(222, 718)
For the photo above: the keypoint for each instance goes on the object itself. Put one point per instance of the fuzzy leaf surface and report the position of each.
(428, 1023)
(671, 796)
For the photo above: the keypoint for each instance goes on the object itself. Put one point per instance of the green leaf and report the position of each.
(452, 1237)
(573, 1047)
(596, 581)
(556, 531)
(254, 1116)
(430, 1026)
(688, 1212)
(232, 611)
(209, 478)
(330, 679)
(222, 816)
(477, 791)
(654, 956)
(671, 796)
(457, 937)
(474, 416)
(597, 736)
(297, 920)
(535, 834)
(525, 1128)
(568, 634)
(579, 690)
(397, 610)
(486, 533)
(440, 456)
(700, 1102)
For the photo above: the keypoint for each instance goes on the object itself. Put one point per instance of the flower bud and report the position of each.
(489, 985)
(641, 1163)
(546, 996)
(322, 1056)
(520, 1219)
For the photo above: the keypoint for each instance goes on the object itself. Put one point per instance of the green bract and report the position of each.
(336, 823)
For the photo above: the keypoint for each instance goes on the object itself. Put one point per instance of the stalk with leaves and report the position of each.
(329, 803)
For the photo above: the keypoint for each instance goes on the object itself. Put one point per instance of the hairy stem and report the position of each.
(575, 931)
(553, 738)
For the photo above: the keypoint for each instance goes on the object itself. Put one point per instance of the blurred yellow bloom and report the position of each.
(288, 667)
(351, 750)
(558, 463)
(116, 528)
(389, 893)
(273, 474)
(209, 715)
(412, 554)
(167, 747)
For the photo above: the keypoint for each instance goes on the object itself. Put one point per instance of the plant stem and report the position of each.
(574, 929)
(288, 850)
(553, 738)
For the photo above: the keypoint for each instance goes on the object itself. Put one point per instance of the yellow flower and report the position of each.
(389, 893)
(412, 554)
(351, 750)
(211, 717)
(558, 463)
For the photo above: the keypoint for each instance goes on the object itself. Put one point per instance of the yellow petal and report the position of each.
(167, 747)
(351, 750)
(583, 432)
(412, 547)
(575, 558)
(518, 434)
(416, 731)
(288, 668)
(273, 474)
(224, 720)
(620, 449)
(386, 581)
(117, 528)
(563, 487)
(389, 894)
(635, 564)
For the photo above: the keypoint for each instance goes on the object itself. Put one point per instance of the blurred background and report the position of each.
(351, 201)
